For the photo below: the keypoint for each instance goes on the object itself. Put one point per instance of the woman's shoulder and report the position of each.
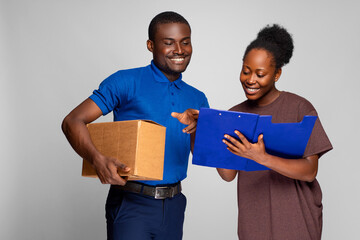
(286, 100)
(298, 101)
(241, 107)
(292, 96)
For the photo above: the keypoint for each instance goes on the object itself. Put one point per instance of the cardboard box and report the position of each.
(140, 144)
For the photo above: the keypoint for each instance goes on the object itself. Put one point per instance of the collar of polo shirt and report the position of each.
(160, 77)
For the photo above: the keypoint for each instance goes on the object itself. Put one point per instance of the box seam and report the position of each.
(137, 146)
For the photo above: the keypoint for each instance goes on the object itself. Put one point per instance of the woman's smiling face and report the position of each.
(258, 77)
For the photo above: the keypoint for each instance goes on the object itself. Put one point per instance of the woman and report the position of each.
(284, 202)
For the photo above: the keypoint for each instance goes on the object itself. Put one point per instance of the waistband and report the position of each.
(158, 192)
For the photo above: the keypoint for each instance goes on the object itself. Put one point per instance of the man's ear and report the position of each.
(150, 45)
(278, 74)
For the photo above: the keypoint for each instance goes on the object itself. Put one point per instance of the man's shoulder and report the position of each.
(129, 74)
(132, 71)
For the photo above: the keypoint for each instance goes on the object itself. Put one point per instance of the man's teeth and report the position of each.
(252, 89)
(178, 59)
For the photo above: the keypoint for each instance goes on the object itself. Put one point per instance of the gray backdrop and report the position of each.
(54, 53)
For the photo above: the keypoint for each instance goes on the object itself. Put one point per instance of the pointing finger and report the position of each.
(175, 114)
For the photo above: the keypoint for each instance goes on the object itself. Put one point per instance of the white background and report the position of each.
(53, 54)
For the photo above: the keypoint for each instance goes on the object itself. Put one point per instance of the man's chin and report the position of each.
(175, 72)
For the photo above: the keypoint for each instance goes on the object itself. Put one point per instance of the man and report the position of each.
(152, 92)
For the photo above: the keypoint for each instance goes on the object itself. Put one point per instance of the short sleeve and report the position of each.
(319, 142)
(205, 103)
(111, 93)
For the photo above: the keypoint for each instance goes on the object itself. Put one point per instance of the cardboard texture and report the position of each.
(286, 140)
(140, 144)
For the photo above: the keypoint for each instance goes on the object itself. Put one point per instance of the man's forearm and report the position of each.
(78, 136)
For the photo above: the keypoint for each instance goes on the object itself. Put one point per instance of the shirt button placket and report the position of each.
(172, 94)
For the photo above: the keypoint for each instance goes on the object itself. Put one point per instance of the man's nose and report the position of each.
(178, 49)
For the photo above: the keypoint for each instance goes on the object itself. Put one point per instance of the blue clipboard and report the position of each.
(286, 140)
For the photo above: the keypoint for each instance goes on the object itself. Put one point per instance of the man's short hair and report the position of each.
(163, 18)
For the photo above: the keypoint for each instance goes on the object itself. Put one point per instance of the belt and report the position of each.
(158, 192)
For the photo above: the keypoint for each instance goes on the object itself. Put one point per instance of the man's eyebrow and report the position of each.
(172, 39)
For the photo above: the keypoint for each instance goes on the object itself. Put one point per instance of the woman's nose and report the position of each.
(251, 79)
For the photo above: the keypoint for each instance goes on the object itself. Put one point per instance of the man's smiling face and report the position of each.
(171, 48)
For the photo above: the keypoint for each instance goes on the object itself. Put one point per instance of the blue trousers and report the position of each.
(132, 216)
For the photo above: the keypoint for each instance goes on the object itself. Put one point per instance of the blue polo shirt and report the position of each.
(145, 93)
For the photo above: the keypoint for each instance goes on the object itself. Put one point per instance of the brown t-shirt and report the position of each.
(272, 206)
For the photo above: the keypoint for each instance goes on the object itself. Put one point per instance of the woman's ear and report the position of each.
(277, 74)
